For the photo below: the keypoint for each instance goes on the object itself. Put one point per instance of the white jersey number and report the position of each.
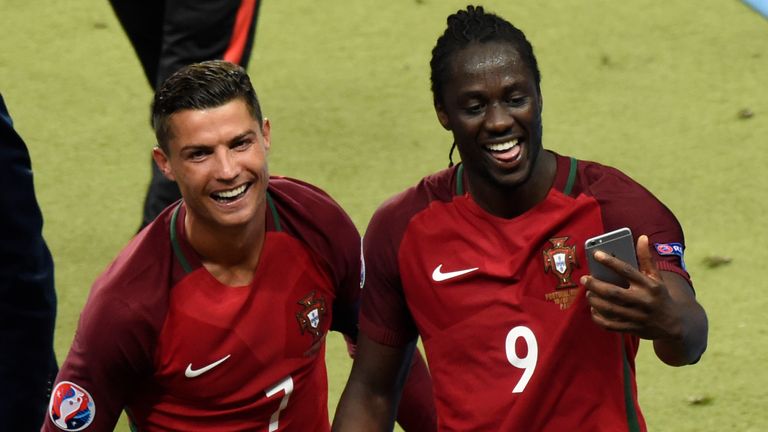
(285, 385)
(527, 363)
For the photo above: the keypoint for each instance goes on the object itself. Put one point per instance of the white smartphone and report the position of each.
(619, 244)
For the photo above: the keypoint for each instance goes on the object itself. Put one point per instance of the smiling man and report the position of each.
(214, 317)
(486, 262)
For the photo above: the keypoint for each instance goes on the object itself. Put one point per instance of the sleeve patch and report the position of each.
(667, 249)
(72, 407)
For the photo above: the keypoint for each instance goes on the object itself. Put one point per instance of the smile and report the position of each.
(503, 146)
(230, 195)
(506, 152)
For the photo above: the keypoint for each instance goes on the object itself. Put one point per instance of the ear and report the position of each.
(161, 159)
(442, 116)
(266, 133)
(541, 103)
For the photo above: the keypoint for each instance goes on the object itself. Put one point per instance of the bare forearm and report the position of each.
(361, 410)
(691, 341)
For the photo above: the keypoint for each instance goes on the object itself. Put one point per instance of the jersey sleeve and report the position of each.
(105, 361)
(624, 202)
(384, 314)
(349, 269)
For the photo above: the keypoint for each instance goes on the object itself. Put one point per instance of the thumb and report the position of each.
(645, 258)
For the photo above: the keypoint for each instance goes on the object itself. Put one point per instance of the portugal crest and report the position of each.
(560, 260)
(310, 316)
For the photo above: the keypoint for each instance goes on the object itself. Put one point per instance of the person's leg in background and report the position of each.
(171, 34)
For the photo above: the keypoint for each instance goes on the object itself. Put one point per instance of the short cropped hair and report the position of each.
(198, 86)
(474, 25)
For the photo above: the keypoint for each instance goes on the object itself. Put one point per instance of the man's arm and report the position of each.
(658, 305)
(106, 362)
(372, 391)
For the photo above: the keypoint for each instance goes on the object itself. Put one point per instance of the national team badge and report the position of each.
(309, 317)
(560, 260)
(71, 407)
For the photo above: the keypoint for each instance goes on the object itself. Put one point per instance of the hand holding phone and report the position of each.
(619, 244)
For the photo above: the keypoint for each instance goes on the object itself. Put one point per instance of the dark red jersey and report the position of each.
(163, 339)
(506, 327)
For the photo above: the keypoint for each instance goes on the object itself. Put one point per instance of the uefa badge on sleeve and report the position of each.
(71, 407)
(668, 249)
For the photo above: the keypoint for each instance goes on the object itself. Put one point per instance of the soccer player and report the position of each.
(485, 260)
(169, 34)
(214, 317)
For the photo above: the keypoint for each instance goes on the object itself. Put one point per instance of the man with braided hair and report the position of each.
(485, 261)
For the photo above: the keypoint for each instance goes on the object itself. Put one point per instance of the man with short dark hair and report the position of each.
(214, 317)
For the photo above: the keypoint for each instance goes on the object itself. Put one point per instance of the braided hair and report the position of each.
(474, 25)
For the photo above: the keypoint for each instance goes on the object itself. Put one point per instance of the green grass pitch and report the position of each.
(653, 88)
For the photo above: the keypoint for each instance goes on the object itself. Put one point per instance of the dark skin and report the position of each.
(658, 305)
(492, 106)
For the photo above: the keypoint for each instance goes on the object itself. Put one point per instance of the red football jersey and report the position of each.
(506, 327)
(162, 338)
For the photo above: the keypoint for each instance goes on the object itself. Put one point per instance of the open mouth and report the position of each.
(509, 151)
(231, 195)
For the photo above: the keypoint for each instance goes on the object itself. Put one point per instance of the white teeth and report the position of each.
(232, 193)
(502, 147)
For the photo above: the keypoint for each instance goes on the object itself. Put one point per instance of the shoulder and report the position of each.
(303, 200)
(138, 280)
(399, 209)
(605, 182)
(306, 211)
(310, 216)
(625, 202)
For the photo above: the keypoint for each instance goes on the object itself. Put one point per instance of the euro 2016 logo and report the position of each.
(71, 407)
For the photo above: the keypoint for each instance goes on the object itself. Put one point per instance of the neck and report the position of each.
(512, 201)
(230, 254)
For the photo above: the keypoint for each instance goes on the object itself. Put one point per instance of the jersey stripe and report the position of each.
(571, 178)
(243, 20)
(175, 242)
(460, 180)
(629, 399)
(273, 209)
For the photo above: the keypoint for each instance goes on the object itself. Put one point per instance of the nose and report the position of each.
(227, 167)
(498, 120)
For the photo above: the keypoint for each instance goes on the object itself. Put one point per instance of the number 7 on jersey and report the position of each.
(285, 385)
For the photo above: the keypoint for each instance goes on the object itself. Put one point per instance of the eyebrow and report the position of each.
(235, 139)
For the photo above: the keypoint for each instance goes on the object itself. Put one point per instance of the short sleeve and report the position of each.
(384, 315)
(108, 357)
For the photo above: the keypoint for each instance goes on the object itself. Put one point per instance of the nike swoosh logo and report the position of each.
(192, 373)
(439, 276)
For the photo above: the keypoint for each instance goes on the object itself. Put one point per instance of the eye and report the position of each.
(197, 154)
(517, 101)
(242, 144)
(474, 108)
